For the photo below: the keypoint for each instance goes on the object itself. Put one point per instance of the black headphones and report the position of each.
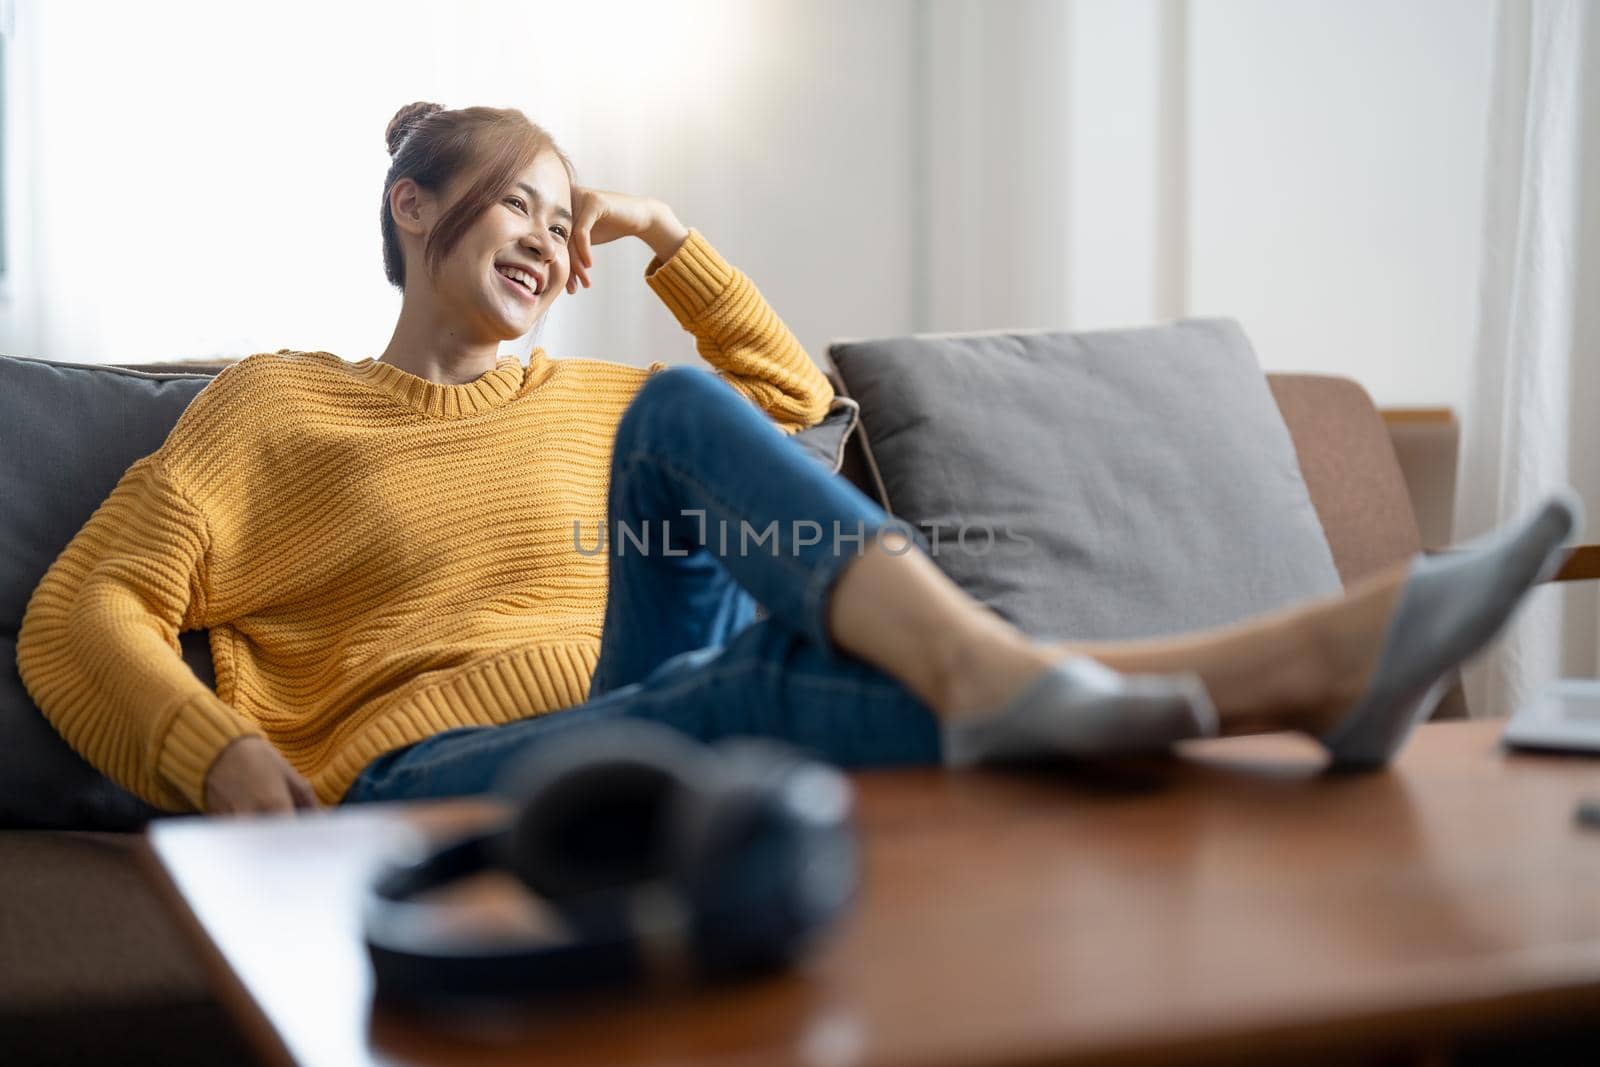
(665, 859)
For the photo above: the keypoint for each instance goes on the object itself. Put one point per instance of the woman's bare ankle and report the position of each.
(1294, 690)
(1267, 676)
(1348, 635)
(982, 669)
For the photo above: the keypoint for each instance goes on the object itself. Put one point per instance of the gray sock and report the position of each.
(1081, 707)
(1451, 607)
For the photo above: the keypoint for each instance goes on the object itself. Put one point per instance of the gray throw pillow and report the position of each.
(1105, 485)
(68, 432)
(826, 440)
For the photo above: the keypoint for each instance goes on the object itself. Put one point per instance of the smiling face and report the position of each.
(509, 267)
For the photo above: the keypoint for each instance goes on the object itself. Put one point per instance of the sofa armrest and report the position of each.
(1426, 441)
(1427, 444)
(1583, 563)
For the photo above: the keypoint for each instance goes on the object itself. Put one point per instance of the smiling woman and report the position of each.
(387, 552)
(487, 204)
(487, 147)
(460, 197)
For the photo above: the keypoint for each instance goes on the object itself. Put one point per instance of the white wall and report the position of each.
(1337, 183)
(1311, 167)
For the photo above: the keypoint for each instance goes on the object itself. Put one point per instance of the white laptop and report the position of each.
(1564, 715)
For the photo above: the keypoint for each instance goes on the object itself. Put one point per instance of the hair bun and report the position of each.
(405, 119)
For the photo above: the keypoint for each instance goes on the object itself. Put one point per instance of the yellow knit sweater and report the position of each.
(378, 557)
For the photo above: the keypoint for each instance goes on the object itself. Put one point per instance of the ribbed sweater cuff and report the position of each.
(692, 281)
(197, 732)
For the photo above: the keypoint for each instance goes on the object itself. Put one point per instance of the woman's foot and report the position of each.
(1011, 698)
(1447, 608)
(1358, 671)
(1079, 707)
(1376, 660)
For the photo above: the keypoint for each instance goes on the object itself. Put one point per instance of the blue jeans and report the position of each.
(711, 509)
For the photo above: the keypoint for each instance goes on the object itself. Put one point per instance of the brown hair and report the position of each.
(432, 145)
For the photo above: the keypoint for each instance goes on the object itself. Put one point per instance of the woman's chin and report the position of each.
(512, 326)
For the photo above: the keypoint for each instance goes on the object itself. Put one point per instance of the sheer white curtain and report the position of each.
(1531, 417)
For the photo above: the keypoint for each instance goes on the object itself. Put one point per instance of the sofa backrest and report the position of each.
(1368, 503)
(68, 432)
(1349, 465)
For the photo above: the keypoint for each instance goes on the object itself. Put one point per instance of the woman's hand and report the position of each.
(253, 777)
(599, 217)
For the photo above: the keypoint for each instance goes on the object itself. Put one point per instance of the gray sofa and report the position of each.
(95, 969)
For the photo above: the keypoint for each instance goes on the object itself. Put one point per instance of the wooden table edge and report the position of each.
(236, 999)
(1419, 1029)
(1424, 1026)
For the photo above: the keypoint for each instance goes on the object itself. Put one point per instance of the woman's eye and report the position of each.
(517, 200)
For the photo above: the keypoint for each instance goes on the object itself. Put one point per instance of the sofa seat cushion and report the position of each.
(1104, 485)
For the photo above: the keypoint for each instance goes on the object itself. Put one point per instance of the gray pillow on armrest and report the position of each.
(826, 440)
(68, 432)
(1101, 485)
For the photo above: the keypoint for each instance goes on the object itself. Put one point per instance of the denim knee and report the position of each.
(667, 402)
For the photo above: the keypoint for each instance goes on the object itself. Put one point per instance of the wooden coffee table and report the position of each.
(1232, 904)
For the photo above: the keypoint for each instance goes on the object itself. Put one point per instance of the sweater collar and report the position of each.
(484, 393)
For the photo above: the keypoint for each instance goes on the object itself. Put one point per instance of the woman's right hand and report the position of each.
(253, 777)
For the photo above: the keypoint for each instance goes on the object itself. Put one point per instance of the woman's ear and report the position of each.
(411, 207)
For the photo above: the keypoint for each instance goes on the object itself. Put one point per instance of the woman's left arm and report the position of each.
(735, 329)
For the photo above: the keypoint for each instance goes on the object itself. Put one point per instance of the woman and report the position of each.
(388, 554)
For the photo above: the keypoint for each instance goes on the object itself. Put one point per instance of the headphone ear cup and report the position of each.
(594, 809)
(770, 856)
